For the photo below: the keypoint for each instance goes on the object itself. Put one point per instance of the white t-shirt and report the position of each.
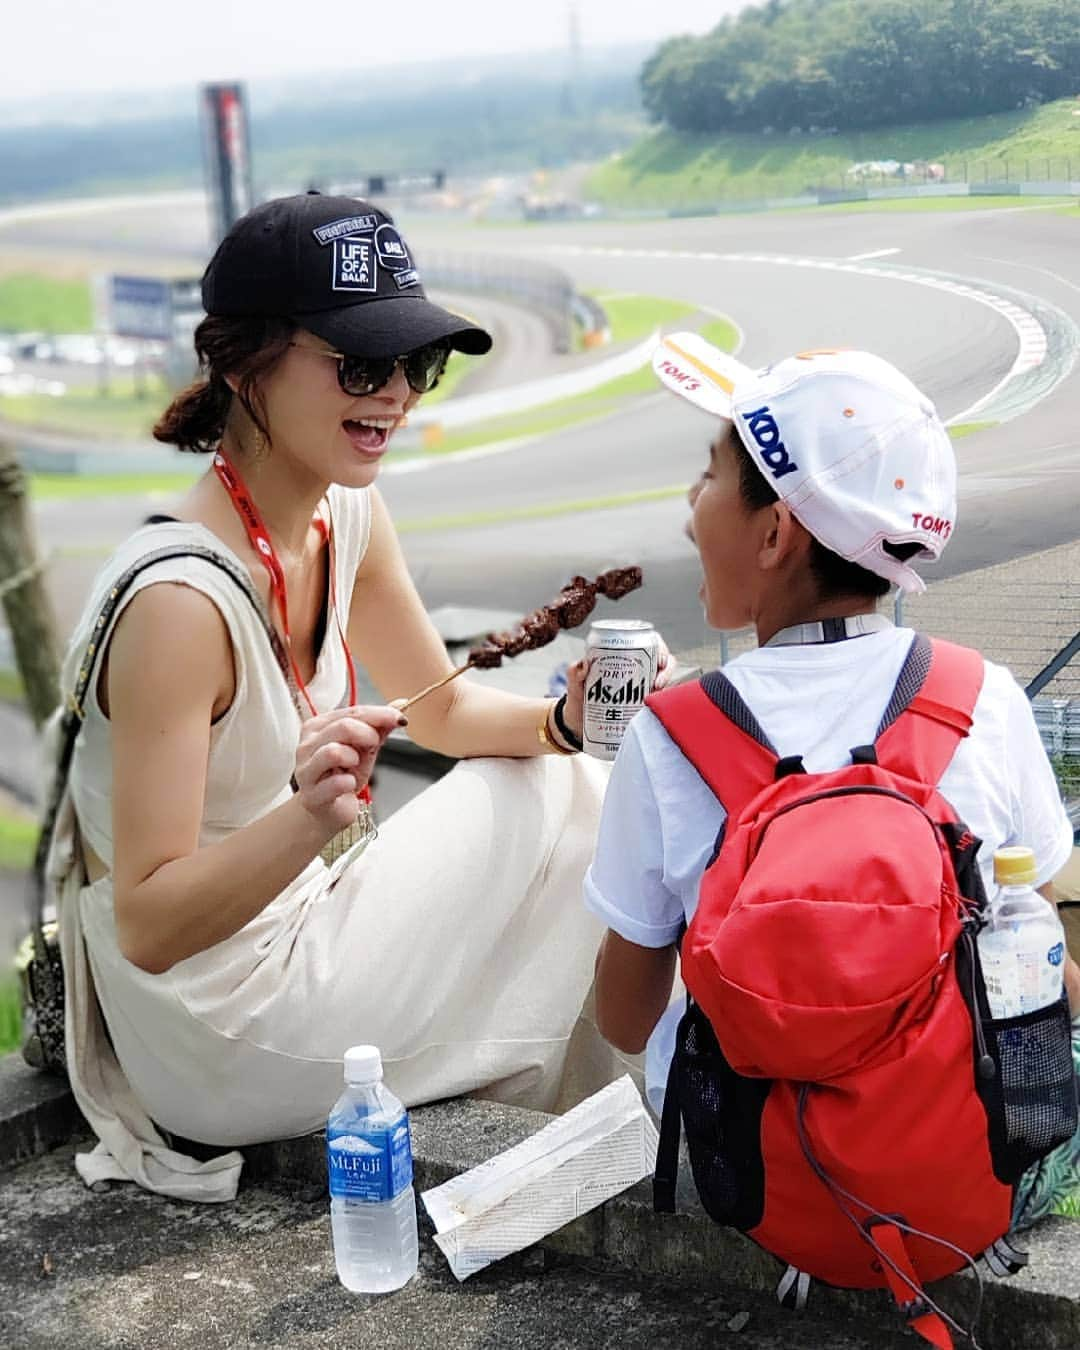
(660, 820)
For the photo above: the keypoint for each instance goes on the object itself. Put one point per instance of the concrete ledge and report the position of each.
(1039, 1308)
(37, 1112)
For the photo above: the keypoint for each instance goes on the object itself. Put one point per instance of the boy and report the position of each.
(828, 473)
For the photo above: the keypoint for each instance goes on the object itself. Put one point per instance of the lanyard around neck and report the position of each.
(259, 537)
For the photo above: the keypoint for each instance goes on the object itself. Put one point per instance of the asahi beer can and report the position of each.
(623, 656)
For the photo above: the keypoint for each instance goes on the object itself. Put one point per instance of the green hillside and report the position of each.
(671, 169)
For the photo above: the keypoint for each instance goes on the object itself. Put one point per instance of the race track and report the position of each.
(777, 277)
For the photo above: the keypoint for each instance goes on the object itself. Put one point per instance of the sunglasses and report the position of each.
(363, 375)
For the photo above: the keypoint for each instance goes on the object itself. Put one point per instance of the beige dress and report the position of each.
(457, 943)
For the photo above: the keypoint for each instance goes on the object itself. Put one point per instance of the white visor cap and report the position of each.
(857, 453)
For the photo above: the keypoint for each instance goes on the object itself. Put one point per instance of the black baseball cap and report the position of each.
(338, 267)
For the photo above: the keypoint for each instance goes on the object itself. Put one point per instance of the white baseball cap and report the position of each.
(856, 452)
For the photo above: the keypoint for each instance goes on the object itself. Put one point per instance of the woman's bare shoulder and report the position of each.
(171, 643)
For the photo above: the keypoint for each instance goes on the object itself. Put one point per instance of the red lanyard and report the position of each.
(261, 542)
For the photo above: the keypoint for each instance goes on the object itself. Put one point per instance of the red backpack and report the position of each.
(848, 1103)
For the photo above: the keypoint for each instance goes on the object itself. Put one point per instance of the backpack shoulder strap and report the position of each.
(712, 726)
(931, 709)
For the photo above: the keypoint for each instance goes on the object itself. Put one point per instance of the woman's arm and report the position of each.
(170, 663)
(391, 633)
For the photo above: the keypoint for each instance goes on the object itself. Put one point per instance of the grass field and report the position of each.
(579, 408)
(668, 169)
(909, 205)
(11, 687)
(18, 836)
(10, 1014)
(631, 317)
(123, 413)
(69, 485)
(31, 303)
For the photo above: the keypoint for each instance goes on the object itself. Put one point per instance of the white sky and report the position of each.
(70, 46)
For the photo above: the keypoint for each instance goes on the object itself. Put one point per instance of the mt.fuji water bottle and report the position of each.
(1022, 947)
(369, 1159)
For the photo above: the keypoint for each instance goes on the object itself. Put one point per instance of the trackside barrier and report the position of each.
(464, 411)
(536, 285)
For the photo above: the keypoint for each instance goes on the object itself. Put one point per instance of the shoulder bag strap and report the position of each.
(76, 702)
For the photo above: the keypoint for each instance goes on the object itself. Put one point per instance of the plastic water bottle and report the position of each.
(1022, 948)
(369, 1159)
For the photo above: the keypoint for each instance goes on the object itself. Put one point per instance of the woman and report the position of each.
(230, 975)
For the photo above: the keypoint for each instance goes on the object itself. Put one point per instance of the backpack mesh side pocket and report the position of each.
(721, 1112)
(1033, 1098)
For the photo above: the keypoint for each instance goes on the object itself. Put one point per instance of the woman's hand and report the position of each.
(334, 760)
(576, 675)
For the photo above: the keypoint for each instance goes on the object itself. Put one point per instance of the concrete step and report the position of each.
(260, 1271)
(130, 1271)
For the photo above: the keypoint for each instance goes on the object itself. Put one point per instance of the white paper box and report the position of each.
(581, 1159)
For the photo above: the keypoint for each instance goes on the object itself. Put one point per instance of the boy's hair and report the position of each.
(834, 575)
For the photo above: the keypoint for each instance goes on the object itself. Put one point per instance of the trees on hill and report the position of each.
(850, 64)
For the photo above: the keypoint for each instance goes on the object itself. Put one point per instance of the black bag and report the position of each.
(41, 973)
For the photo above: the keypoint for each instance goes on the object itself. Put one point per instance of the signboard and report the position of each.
(226, 154)
(139, 307)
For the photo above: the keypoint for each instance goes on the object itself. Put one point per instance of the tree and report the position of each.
(855, 64)
(26, 605)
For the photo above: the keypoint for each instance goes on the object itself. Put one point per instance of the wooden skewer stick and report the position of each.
(404, 703)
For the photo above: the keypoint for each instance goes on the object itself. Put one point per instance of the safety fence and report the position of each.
(535, 285)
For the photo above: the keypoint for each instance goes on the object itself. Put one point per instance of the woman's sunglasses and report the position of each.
(363, 375)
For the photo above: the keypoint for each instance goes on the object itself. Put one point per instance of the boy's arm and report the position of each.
(1072, 970)
(626, 887)
(633, 987)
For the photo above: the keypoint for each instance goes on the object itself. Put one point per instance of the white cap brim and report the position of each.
(698, 371)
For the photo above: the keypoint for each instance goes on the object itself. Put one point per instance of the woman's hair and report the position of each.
(244, 347)
(834, 575)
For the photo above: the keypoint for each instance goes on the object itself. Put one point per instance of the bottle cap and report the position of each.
(1014, 866)
(363, 1064)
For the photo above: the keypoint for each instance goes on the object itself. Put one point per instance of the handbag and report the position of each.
(38, 963)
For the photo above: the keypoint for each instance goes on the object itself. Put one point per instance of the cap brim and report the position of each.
(698, 371)
(393, 327)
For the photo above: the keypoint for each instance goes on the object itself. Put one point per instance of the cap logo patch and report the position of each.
(394, 257)
(326, 234)
(353, 264)
(766, 433)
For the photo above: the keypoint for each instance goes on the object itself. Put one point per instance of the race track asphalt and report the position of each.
(1020, 481)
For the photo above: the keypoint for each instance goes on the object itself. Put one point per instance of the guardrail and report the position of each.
(536, 285)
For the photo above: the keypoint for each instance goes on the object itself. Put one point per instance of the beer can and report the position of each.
(623, 655)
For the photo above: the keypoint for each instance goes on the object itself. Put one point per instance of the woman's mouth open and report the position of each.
(370, 435)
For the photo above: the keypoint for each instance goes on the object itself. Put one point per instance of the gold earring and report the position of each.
(260, 446)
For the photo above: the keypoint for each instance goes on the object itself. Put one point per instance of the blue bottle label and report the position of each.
(371, 1165)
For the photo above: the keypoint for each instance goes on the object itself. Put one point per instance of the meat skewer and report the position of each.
(570, 608)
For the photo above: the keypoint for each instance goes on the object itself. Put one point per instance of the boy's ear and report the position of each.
(784, 538)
